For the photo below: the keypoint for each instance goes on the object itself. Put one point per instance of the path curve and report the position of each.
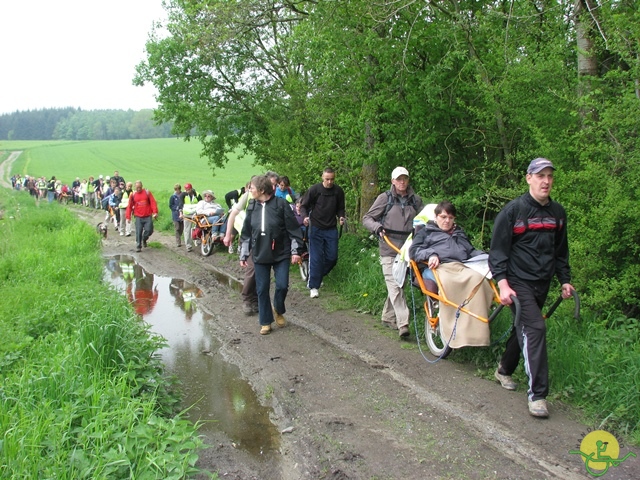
(5, 169)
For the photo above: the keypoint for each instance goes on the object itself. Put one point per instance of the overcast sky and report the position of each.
(74, 53)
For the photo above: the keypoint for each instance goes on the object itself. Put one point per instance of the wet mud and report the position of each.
(349, 400)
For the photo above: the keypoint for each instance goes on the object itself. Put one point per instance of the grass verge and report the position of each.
(82, 395)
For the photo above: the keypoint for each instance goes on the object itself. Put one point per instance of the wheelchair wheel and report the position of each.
(207, 244)
(433, 335)
(304, 269)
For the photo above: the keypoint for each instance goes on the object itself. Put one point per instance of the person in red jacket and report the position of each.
(143, 206)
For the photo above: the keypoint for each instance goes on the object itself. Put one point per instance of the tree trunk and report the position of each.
(369, 176)
(587, 61)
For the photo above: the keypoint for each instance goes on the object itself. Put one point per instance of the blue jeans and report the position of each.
(427, 274)
(220, 229)
(323, 254)
(263, 281)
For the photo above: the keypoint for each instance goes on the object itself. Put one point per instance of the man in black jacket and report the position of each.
(529, 246)
(322, 208)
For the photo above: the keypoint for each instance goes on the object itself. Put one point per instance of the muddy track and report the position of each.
(360, 403)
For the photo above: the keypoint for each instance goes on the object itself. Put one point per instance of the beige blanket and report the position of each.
(458, 282)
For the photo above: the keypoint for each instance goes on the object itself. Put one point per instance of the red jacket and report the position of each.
(141, 204)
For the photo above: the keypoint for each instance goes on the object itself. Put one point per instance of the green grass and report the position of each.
(158, 163)
(82, 394)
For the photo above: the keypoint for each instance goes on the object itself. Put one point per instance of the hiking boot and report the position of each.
(144, 243)
(280, 321)
(138, 249)
(313, 293)
(265, 329)
(538, 408)
(403, 331)
(254, 308)
(246, 309)
(505, 380)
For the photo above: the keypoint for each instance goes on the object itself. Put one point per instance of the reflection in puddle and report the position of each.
(220, 397)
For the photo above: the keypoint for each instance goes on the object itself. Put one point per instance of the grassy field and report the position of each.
(159, 163)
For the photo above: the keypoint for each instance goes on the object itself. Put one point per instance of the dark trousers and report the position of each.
(323, 254)
(178, 227)
(530, 338)
(263, 281)
(144, 229)
(249, 295)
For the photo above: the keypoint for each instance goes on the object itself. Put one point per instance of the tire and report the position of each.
(207, 244)
(437, 345)
(304, 269)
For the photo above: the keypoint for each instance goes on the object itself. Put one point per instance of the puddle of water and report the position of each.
(214, 388)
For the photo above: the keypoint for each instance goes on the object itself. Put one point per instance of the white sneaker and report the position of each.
(231, 249)
(538, 408)
(313, 293)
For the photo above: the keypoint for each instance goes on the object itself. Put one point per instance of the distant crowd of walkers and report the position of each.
(92, 192)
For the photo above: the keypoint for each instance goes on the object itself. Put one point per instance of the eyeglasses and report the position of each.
(450, 218)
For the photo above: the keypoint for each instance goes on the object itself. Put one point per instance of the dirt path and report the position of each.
(5, 169)
(362, 404)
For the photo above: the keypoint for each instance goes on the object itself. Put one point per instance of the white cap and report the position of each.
(399, 171)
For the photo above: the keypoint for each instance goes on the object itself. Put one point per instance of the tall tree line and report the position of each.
(464, 93)
(76, 124)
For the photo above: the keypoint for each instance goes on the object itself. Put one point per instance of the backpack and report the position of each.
(390, 203)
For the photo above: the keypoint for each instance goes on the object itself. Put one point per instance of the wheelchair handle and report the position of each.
(576, 299)
(516, 305)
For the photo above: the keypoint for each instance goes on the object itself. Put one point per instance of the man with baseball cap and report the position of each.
(392, 215)
(529, 246)
(187, 208)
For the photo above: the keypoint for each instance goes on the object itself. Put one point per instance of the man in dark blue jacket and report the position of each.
(529, 246)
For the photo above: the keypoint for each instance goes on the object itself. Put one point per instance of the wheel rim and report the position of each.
(206, 245)
(433, 335)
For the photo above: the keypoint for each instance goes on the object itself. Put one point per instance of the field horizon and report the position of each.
(159, 163)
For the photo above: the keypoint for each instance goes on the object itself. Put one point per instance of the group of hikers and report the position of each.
(275, 225)
(528, 248)
(92, 192)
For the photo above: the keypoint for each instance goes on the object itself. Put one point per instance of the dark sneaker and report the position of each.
(505, 380)
(403, 331)
(144, 243)
(538, 408)
(138, 249)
